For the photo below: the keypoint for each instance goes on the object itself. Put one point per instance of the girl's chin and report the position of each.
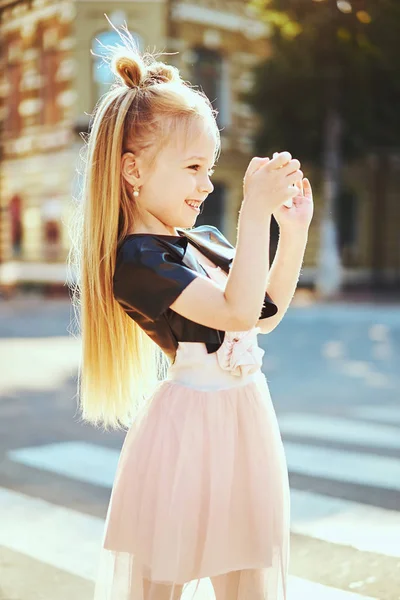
(191, 218)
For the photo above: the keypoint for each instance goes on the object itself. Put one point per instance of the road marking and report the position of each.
(58, 536)
(331, 519)
(340, 521)
(82, 461)
(384, 414)
(340, 430)
(60, 354)
(343, 465)
(68, 540)
(301, 588)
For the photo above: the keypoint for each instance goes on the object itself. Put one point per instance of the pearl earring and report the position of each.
(135, 192)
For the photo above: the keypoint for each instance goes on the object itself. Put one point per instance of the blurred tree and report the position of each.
(329, 92)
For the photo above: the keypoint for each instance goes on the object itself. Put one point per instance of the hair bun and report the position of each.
(137, 71)
(159, 72)
(130, 69)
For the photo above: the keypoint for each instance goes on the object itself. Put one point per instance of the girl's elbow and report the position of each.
(268, 324)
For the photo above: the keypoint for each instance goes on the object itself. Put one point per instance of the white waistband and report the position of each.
(203, 372)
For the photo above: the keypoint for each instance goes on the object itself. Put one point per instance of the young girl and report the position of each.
(170, 315)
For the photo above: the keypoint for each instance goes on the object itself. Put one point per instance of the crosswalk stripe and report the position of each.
(58, 536)
(68, 540)
(331, 519)
(340, 430)
(340, 521)
(301, 588)
(343, 465)
(383, 414)
(90, 463)
(96, 464)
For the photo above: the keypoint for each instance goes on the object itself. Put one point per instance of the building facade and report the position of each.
(53, 75)
(37, 109)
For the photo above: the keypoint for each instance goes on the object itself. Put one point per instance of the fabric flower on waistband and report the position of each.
(240, 353)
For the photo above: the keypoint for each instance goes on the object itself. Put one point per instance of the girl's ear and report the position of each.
(129, 169)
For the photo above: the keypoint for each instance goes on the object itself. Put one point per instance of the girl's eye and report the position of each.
(210, 172)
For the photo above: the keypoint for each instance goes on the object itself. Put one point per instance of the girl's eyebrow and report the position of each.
(196, 158)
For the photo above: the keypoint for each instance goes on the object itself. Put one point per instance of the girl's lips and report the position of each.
(196, 208)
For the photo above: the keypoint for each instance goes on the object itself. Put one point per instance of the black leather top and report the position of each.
(152, 270)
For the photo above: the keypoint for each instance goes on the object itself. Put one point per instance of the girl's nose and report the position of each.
(208, 187)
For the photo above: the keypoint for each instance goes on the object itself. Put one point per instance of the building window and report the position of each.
(16, 225)
(51, 214)
(48, 68)
(213, 208)
(13, 122)
(101, 73)
(211, 73)
(52, 239)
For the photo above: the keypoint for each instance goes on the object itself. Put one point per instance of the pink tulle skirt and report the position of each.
(201, 491)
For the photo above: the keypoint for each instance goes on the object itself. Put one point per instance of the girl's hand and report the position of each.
(268, 183)
(299, 216)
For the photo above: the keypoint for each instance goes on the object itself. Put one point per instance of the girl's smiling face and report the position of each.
(181, 174)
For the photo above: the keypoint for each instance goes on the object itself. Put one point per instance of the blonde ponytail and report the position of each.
(120, 365)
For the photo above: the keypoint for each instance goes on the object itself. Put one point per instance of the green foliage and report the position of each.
(321, 57)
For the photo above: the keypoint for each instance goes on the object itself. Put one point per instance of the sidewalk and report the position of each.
(307, 297)
(303, 297)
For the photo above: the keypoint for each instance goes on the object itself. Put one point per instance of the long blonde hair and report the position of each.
(148, 103)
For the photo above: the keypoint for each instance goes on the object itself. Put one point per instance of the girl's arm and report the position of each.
(284, 275)
(237, 306)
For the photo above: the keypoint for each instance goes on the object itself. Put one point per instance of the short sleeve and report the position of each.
(149, 274)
